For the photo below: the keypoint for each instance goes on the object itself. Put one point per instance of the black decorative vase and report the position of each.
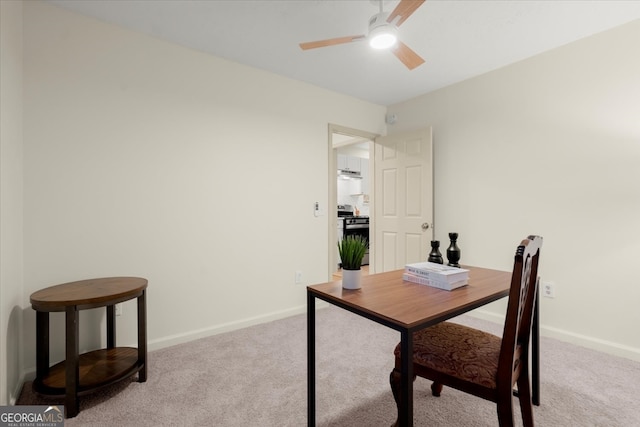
(453, 251)
(435, 255)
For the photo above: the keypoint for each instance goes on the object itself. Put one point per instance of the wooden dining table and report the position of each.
(407, 307)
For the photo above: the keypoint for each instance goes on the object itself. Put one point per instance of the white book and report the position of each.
(440, 272)
(433, 283)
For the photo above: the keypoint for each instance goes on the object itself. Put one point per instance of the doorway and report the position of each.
(400, 194)
(350, 183)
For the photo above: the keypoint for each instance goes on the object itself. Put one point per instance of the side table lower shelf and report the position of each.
(97, 369)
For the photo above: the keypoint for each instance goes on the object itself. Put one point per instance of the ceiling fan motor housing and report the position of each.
(382, 34)
(377, 20)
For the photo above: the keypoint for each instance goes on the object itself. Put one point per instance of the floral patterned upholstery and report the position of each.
(458, 351)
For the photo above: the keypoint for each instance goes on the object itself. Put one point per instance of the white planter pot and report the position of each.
(351, 279)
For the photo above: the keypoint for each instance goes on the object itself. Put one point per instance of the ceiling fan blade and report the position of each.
(331, 42)
(407, 56)
(404, 9)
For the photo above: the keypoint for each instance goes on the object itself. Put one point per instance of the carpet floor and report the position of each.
(257, 377)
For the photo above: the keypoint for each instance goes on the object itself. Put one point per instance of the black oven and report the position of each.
(358, 226)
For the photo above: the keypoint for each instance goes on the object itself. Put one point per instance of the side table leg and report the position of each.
(111, 326)
(72, 375)
(142, 336)
(42, 344)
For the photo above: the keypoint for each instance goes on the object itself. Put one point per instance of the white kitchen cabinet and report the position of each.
(349, 163)
(366, 179)
(342, 161)
(354, 164)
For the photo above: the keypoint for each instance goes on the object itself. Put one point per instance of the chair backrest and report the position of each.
(522, 297)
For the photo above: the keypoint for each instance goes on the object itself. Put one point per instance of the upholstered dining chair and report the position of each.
(478, 362)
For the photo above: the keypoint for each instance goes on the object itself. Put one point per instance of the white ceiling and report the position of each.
(458, 39)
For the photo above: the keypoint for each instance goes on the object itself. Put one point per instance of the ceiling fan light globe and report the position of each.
(382, 37)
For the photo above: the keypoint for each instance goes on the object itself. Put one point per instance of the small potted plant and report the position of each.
(352, 250)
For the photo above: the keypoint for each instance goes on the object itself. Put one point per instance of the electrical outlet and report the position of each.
(548, 289)
(119, 309)
(298, 277)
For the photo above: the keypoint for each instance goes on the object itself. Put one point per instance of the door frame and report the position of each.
(358, 136)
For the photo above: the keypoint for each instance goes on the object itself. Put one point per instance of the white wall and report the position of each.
(10, 200)
(549, 146)
(144, 158)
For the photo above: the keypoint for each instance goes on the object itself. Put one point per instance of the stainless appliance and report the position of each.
(343, 211)
(349, 174)
(357, 226)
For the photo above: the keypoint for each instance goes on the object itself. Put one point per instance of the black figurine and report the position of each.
(453, 251)
(435, 255)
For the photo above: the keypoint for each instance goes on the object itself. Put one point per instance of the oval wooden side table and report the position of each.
(81, 374)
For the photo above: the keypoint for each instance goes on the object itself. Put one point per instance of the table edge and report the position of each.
(85, 303)
(399, 325)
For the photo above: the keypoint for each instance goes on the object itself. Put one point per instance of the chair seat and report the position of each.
(458, 351)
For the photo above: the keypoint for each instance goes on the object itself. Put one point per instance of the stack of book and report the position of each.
(436, 275)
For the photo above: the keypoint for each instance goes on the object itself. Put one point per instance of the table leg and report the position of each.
(405, 416)
(72, 375)
(111, 326)
(311, 360)
(535, 354)
(42, 344)
(142, 336)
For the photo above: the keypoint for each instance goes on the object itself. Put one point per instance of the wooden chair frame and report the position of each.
(513, 360)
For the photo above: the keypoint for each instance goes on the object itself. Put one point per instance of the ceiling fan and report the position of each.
(383, 34)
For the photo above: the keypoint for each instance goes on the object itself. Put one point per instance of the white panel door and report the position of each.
(403, 205)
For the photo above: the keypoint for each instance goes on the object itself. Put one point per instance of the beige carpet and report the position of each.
(257, 377)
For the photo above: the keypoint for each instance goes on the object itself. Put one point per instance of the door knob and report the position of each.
(425, 226)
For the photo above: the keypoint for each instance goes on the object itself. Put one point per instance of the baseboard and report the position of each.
(16, 393)
(604, 346)
(197, 334)
(547, 331)
(225, 327)
(26, 376)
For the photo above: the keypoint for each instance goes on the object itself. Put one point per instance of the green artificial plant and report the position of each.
(352, 250)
